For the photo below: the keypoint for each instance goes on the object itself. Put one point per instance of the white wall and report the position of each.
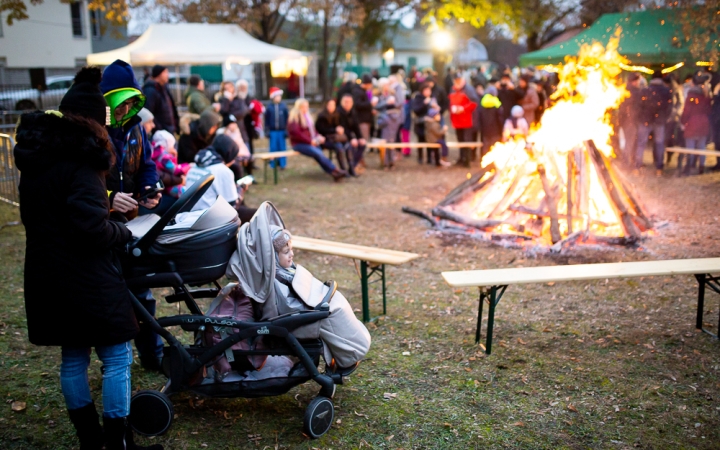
(46, 38)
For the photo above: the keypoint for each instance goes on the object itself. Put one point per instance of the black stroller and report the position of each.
(160, 259)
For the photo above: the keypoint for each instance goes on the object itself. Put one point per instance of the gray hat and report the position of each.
(492, 90)
(145, 115)
(280, 238)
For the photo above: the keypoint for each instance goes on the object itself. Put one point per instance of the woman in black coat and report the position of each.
(75, 295)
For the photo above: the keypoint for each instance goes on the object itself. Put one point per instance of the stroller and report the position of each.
(169, 255)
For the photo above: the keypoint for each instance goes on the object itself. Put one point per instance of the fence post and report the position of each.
(9, 175)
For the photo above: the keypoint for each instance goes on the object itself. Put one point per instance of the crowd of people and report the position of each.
(674, 115)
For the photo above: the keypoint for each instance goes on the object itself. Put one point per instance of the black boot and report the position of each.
(87, 427)
(119, 436)
(420, 155)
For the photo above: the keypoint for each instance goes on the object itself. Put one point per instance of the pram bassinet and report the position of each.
(160, 260)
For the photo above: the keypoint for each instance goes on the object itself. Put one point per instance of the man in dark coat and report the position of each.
(420, 105)
(351, 127)
(508, 95)
(159, 101)
(75, 295)
(488, 118)
(363, 103)
(655, 109)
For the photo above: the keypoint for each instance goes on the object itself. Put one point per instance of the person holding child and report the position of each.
(435, 133)
(516, 127)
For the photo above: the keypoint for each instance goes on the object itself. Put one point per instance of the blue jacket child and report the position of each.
(276, 119)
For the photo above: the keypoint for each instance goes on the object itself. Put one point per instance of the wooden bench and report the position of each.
(272, 156)
(492, 283)
(383, 146)
(372, 257)
(692, 151)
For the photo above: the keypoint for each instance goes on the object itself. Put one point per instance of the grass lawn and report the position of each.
(602, 364)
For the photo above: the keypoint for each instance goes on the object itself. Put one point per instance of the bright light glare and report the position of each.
(442, 40)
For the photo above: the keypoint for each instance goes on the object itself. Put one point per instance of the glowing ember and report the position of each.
(558, 182)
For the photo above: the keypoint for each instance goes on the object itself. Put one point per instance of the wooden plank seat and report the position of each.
(493, 283)
(266, 157)
(383, 146)
(692, 151)
(373, 258)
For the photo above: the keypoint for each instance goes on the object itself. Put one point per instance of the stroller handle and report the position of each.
(325, 303)
(182, 204)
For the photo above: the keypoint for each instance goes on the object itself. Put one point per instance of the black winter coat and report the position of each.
(656, 103)
(161, 104)
(190, 144)
(490, 123)
(362, 105)
(75, 294)
(420, 109)
(349, 121)
(326, 124)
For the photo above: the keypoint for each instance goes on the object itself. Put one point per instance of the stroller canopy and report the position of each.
(253, 263)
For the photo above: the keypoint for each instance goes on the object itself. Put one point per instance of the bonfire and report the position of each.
(558, 186)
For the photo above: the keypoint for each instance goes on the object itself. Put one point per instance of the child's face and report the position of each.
(277, 99)
(285, 256)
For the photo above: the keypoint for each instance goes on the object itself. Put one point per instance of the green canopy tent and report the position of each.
(651, 37)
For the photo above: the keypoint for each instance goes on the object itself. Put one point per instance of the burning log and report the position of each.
(420, 214)
(567, 242)
(570, 183)
(610, 188)
(551, 202)
(469, 186)
(479, 224)
(640, 219)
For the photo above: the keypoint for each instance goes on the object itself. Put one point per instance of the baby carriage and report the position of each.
(170, 255)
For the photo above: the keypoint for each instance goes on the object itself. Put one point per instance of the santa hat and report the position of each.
(275, 91)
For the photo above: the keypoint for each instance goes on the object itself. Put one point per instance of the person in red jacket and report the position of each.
(695, 122)
(306, 140)
(463, 101)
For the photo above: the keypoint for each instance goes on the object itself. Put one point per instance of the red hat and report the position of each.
(275, 91)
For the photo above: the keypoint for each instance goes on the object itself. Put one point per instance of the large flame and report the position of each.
(589, 89)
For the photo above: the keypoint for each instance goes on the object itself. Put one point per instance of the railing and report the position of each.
(9, 175)
(24, 97)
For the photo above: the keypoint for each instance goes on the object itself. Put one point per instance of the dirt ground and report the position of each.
(601, 364)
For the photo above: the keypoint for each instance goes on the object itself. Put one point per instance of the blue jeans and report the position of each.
(277, 144)
(697, 143)
(658, 132)
(317, 155)
(116, 390)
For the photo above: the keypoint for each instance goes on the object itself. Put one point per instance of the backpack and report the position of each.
(232, 303)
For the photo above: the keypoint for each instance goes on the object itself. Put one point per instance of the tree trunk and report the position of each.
(323, 61)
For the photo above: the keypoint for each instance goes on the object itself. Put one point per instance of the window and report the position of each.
(76, 19)
(95, 24)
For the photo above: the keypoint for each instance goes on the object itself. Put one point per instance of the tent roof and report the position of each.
(647, 38)
(194, 43)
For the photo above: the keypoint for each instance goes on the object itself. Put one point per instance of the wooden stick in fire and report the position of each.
(551, 205)
(612, 191)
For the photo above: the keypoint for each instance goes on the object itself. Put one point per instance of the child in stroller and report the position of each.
(303, 332)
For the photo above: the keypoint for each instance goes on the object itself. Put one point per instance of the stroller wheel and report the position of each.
(318, 417)
(151, 413)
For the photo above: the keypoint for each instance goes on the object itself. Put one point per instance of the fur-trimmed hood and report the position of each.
(44, 139)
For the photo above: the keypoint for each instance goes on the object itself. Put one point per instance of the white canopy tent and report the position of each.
(174, 44)
(195, 43)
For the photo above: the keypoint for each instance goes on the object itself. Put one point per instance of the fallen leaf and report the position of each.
(520, 341)
(518, 424)
(572, 408)
(389, 438)
(360, 415)
(18, 406)
(389, 395)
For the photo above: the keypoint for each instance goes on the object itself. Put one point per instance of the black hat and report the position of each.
(633, 77)
(700, 78)
(157, 70)
(84, 97)
(366, 79)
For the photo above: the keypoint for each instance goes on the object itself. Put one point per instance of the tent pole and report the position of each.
(177, 84)
(302, 86)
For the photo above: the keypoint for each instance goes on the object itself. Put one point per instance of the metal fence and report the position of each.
(9, 175)
(20, 97)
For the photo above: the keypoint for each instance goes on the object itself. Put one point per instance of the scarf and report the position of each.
(208, 157)
(310, 126)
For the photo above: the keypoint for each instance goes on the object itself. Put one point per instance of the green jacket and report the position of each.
(196, 100)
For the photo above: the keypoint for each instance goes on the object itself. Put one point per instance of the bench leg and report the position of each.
(706, 280)
(265, 163)
(364, 287)
(493, 295)
(382, 272)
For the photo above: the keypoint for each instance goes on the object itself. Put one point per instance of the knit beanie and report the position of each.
(145, 116)
(119, 85)
(226, 147)
(280, 239)
(157, 70)
(84, 97)
(492, 90)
